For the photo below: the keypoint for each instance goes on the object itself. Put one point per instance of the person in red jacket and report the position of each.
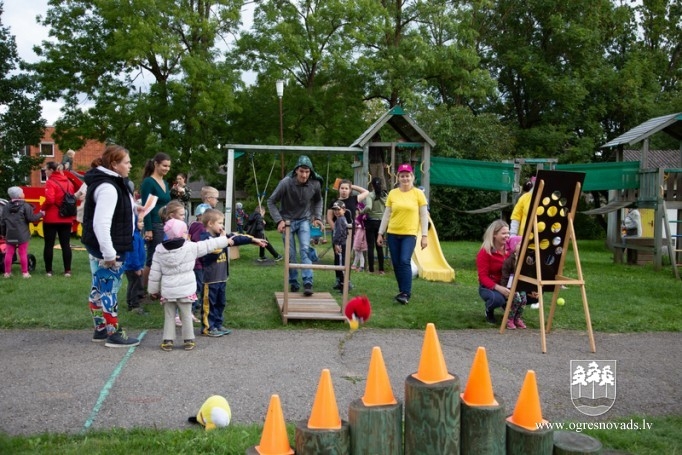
(489, 262)
(54, 225)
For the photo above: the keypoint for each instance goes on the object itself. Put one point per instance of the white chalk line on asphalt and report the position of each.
(104, 393)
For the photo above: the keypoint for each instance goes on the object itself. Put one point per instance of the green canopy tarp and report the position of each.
(482, 175)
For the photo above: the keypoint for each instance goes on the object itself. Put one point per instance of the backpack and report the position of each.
(68, 206)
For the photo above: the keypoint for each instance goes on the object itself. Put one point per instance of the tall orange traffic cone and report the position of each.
(432, 366)
(274, 440)
(378, 391)
(527, 413)
(479, 389)
(325, 413)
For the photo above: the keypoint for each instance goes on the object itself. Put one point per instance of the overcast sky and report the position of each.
(20, 17)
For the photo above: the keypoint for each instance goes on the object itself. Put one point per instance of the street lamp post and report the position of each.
(280, 93)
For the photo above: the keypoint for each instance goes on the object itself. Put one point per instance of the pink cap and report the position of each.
(512, 241)
(404, 168)
(174, 228)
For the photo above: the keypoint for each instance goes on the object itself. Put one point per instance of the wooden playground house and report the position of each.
(377, 152)
(647, 187)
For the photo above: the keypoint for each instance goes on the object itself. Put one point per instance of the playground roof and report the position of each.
(671, 124)
(400, 122)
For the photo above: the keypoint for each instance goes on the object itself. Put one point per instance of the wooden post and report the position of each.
(483, 429)
(432, 417)
(572, 443)
(376, 429)
(525, 442)
(314, 442)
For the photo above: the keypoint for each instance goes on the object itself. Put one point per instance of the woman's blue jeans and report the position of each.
(492, 299)
(401, 248)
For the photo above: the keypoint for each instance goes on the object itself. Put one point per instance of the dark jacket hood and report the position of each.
(303, 160)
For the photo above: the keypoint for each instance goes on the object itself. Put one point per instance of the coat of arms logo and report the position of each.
(593, 385)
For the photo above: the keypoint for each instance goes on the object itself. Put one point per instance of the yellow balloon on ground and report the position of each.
(354, 324)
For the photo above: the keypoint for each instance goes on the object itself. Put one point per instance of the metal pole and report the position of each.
(279, 85)
(281, 137)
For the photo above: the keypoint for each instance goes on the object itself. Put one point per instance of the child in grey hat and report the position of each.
(14, 222)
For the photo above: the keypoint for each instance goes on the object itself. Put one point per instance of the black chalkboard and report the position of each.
(552, 214)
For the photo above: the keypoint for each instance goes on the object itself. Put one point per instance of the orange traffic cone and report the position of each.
(378, 391)
(432, 366)
(325, 413)
(274, 440)
(527, 413)
(479, 389)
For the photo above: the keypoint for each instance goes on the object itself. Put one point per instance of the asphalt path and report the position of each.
(61, 382)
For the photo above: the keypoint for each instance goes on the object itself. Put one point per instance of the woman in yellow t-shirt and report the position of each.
(405, 217)
(521, 209)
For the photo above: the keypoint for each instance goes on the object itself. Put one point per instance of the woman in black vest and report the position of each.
(108, 221)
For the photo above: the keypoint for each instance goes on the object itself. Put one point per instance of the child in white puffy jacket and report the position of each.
(172, 277)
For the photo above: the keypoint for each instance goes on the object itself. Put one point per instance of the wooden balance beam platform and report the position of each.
(320, 305)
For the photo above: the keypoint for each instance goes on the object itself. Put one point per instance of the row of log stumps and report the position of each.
(438, 419)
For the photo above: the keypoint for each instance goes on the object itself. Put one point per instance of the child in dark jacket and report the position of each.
(508, 270)
(133, 266)
(256, 228)
(14, 227)
(339, 239)
(216, 271)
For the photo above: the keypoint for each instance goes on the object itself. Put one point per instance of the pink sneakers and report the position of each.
(510, 324)
(518, 322)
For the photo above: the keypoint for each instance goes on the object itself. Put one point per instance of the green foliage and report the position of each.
(447, 206)
(460, 133)
(487, 80)
(20, 122)
(168, 48)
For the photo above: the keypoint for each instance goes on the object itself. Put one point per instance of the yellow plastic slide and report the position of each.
(430, 261)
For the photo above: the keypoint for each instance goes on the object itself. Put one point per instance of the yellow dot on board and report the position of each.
(544, 244)
(552, 211)
(540, 210)
(541, 226)
(545, 201)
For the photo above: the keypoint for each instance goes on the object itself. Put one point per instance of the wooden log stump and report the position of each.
(432, 417)
(483, 429)
(521, 441)
(376, 429)
(314, 442)
(572, 443)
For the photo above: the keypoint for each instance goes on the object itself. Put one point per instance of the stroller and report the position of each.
(3, 247)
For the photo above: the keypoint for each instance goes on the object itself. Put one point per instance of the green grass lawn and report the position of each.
(621, 298)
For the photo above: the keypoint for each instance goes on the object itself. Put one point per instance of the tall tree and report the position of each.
(147, 75)
(544, 55)
(308, 43)
(20, 114)
(451, 68)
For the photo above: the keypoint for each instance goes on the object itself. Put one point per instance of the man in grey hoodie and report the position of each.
(298, 199)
